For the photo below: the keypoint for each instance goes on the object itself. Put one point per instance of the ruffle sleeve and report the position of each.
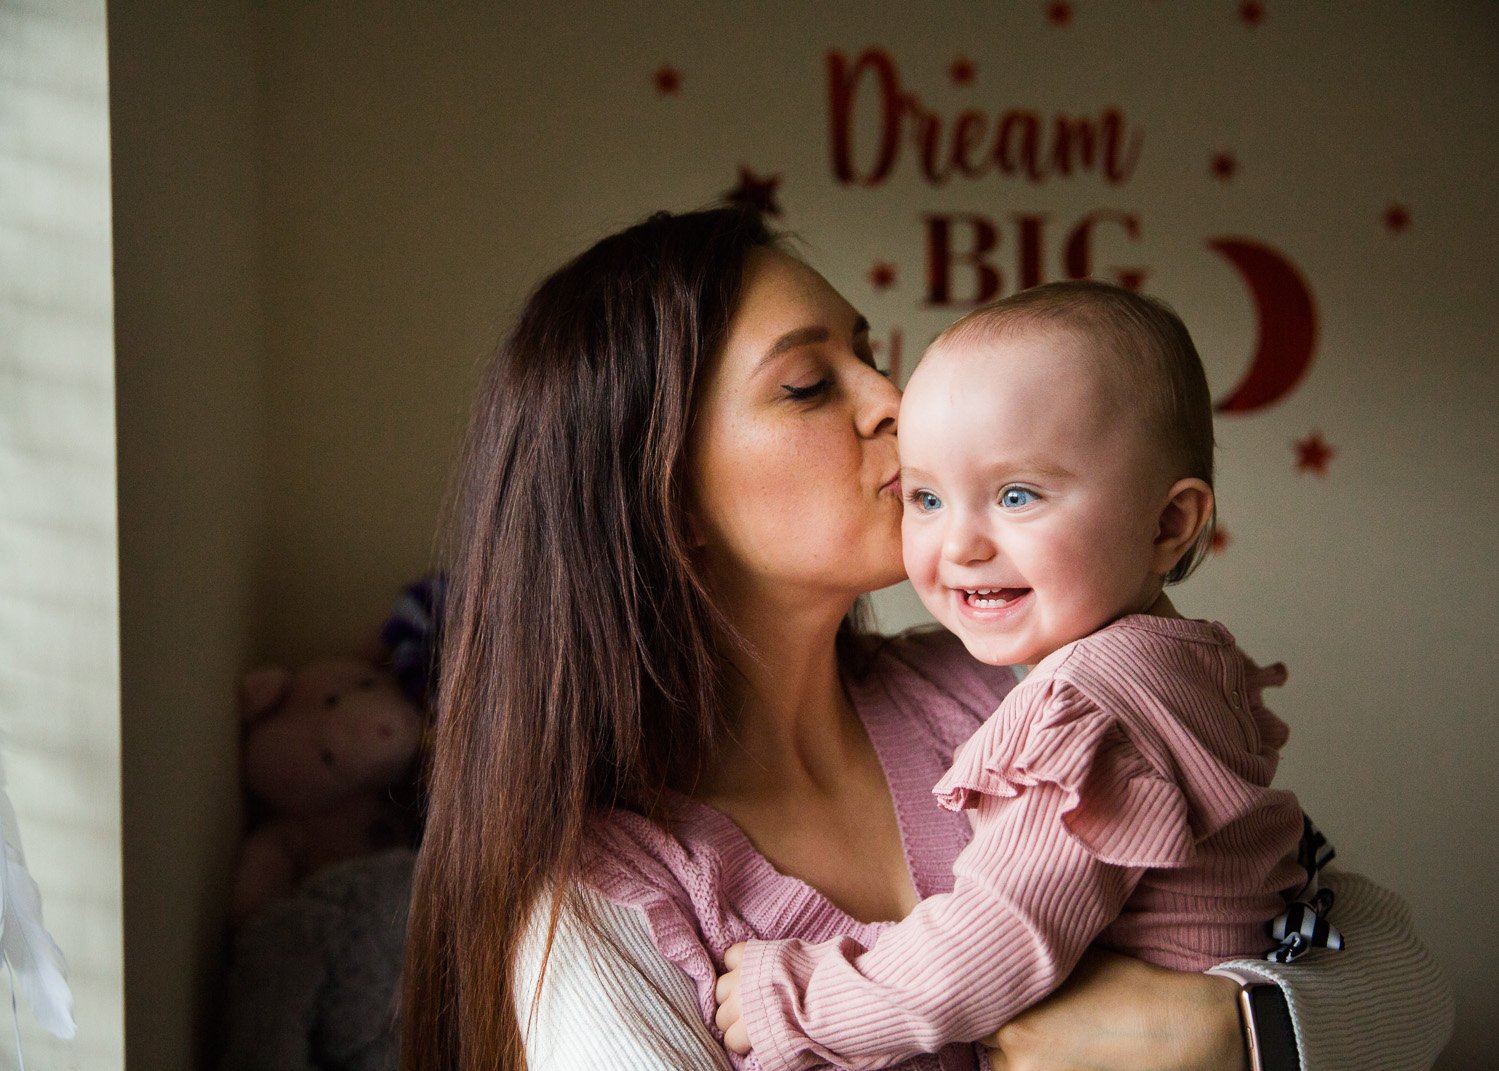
(1273, 733)
(1118, 806)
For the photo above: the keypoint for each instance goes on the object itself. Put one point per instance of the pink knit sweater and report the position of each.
(702, 886)
(1120, 794)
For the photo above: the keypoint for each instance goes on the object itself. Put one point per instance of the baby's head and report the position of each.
(1057, 466)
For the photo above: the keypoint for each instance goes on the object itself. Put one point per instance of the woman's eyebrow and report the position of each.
(810, 335)
(799, 336)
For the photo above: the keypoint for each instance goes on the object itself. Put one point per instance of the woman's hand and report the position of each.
(1117, 1014)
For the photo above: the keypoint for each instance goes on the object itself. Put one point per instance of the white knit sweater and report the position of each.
(1383, 1003)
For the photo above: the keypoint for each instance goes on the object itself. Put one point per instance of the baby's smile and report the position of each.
(992, 598)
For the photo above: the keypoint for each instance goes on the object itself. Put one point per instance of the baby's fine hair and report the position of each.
(1157, 362)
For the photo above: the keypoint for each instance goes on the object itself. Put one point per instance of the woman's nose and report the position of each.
(879, 403)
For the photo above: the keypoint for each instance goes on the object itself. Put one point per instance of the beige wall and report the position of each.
(420, 172)
(191, 447)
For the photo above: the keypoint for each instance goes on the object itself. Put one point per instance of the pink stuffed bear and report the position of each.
(323, 748)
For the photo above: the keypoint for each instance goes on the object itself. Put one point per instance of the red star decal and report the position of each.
(1059, 12)
(668, 80)
(1224, 165)
(1313, 454)
(961, 71)
(1397, 218)
(1251, 13)
(1219, 543)
(882, 275)
(755, 192)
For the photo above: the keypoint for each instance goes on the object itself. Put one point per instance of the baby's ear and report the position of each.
(1189, 507)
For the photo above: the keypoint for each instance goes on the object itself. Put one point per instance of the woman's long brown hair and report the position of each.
(578, 669)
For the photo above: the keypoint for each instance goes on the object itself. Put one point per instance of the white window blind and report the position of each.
(59, 612)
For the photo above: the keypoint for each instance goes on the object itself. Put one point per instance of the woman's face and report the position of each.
(795, 477)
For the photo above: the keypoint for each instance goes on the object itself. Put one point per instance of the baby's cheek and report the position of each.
(921, 551)
(912, 550)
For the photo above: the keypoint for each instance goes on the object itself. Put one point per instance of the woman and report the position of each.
(659, 733)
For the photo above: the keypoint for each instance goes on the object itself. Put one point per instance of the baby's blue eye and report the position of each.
(1015, 497)
(925, 501)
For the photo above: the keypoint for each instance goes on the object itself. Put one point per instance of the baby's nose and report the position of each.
(967, 542)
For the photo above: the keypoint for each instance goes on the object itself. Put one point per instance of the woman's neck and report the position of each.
(791, 722)
(800, 776)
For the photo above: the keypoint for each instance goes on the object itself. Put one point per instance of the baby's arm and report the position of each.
(1026, 902)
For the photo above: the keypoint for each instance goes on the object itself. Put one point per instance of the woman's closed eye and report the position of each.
(1017, 497)
(811, 390)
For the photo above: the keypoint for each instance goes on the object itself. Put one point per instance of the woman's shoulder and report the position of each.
(607, 996)
(653, 865)
(669, 881)
(684, 871)
(926, 674)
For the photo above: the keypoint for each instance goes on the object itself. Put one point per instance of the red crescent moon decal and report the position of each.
(1287, 319)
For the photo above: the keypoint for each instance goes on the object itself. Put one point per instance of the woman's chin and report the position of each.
(886, 578)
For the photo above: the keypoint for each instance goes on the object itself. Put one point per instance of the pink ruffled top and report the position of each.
(1119, 794)
(702, 886)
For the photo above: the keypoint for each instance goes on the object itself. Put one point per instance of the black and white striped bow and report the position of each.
(1304, 924)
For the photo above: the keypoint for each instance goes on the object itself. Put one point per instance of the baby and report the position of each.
(1057, 467)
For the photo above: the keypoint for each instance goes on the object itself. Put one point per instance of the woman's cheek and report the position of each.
(886, 533)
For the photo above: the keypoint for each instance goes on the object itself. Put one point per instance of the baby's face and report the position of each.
(1032, 493)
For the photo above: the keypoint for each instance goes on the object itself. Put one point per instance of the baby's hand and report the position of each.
(735, 1036)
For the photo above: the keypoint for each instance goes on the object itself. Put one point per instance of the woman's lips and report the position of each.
(891, 486)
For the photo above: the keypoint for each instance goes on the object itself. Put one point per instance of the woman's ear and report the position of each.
(1189, 507)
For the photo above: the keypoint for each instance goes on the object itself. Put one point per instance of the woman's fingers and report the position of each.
(733, 956)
